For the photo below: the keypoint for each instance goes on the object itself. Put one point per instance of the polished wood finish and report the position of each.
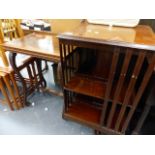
(87, 86)
(83, 112)
(141, 37)
(115, 95)
(40, 45)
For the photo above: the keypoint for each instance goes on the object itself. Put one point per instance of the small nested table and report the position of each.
(108, 74)
(42, 45)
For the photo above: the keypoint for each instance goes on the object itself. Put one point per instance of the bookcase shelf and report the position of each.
(95, 88)
(86, 86)
(82, 111)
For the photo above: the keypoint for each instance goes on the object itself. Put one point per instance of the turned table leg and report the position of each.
(39, 65)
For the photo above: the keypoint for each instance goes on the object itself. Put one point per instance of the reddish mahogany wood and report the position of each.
(128, 72)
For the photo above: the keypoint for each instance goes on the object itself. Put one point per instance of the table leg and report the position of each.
(39, 65)
(57, 80)
(59, 71)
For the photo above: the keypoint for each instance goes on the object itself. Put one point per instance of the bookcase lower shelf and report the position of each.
(88, 115)
(83, 112)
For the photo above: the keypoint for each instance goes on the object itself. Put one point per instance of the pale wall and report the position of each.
(63, 25)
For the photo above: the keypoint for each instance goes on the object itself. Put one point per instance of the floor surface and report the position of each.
(44, 116)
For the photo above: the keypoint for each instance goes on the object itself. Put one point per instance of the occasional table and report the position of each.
(40, 45)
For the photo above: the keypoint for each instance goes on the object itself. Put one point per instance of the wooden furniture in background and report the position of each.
(14, 95)
(39, 45)
(10, 30)
(104, 89)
